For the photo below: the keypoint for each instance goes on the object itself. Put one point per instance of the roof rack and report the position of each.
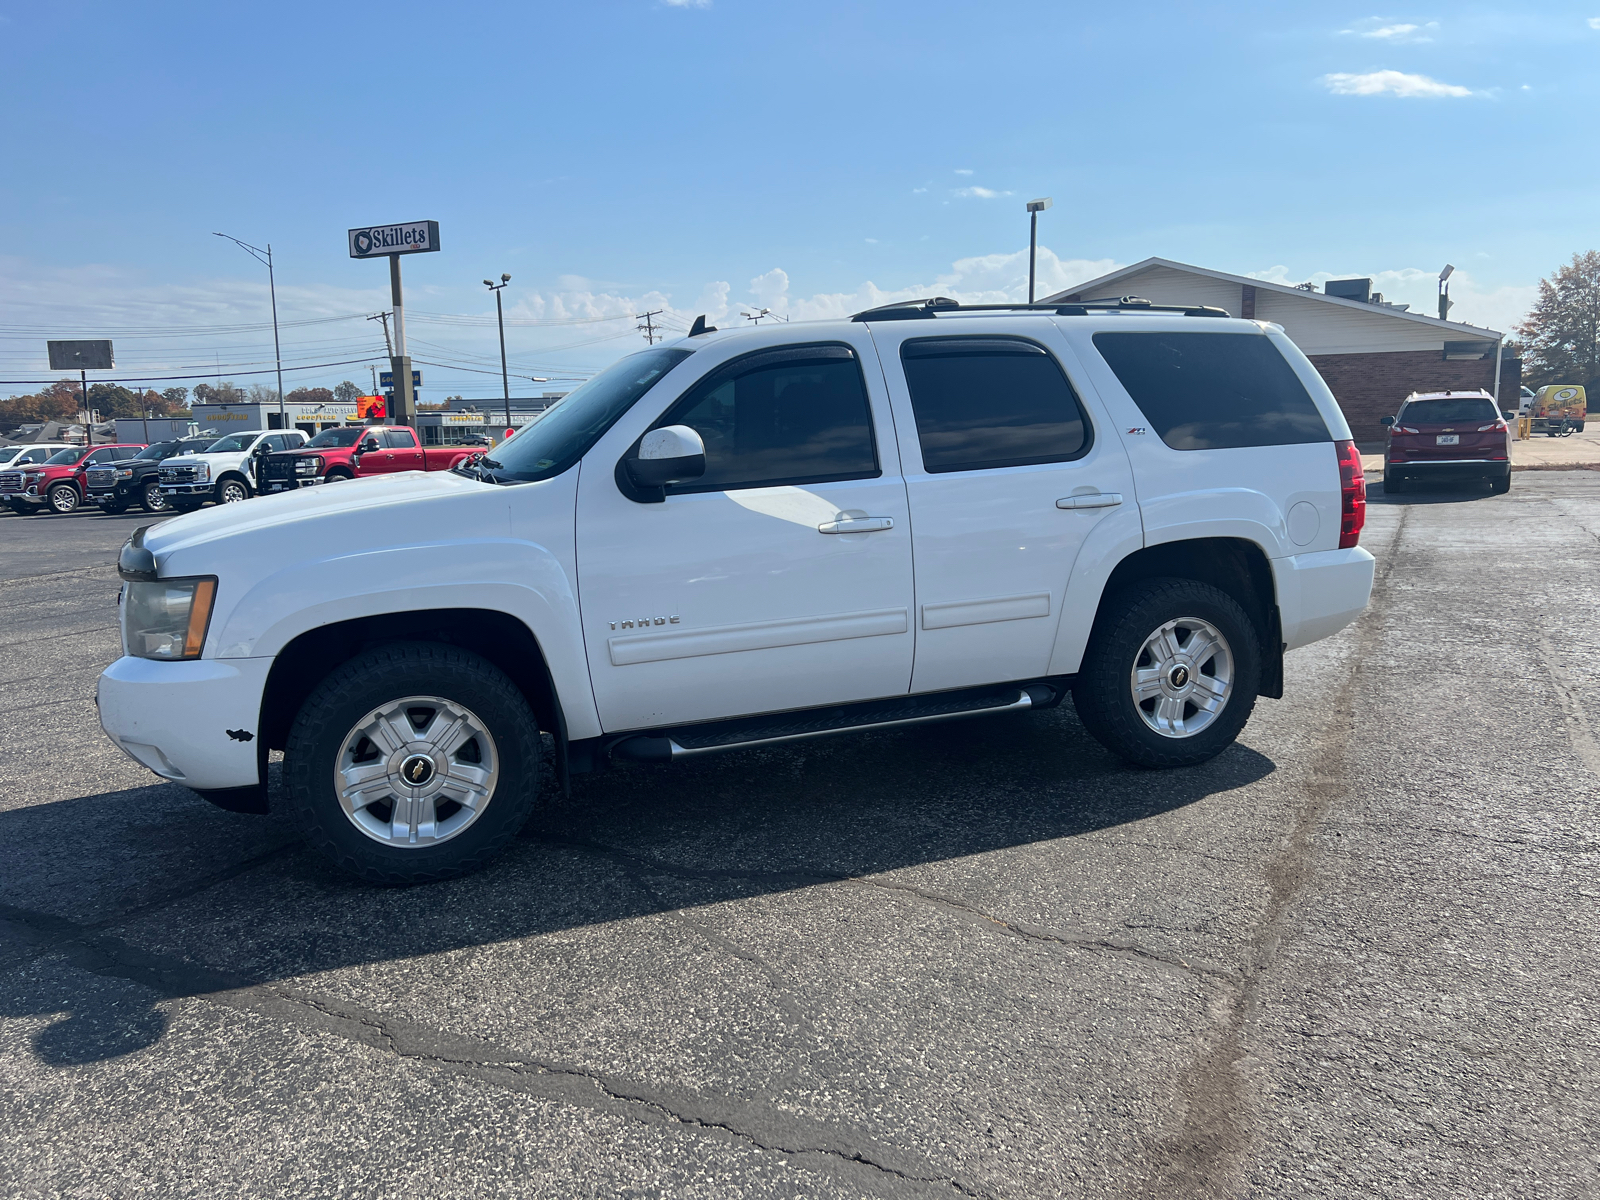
(921, 310)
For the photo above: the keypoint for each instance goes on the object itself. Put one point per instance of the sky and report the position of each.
(721, 156)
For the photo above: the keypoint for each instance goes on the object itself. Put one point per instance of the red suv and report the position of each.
(57, 484)
(1447, 435)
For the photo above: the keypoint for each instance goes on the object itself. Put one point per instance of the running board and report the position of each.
(743, 733)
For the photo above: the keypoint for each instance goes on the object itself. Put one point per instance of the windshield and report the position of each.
(7, 453)
(563, 435)
(70, 455)
(348, 436)
(1447, 412)
(232, 444)
(159, 450)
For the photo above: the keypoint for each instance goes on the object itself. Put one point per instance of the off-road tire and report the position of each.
(153, 500)
(391, 672)
(1103, 690)
(58, 502)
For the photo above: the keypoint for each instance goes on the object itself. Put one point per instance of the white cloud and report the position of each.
(687, 3)
(1594, 22)
(963, 171)
(978, 193)
(872, 241)
(1476, 303)
(1398, 83)
(918, 191)
(1384, 30)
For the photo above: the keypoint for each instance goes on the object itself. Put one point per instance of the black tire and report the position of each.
(338, 477)
(63, 499)
(152, 499)
(393, 672)
(1103, 690)
(1393, 484)
(231, 491)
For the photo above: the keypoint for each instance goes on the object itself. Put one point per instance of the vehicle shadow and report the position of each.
(132, 867)
(1429, 493)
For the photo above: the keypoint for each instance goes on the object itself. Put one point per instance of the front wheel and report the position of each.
(152, 500)
(63, 499)
(339, 476)
(232, 491)
(412, 763)
(1171, 673)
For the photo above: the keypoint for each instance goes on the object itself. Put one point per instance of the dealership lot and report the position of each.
(1352, 956)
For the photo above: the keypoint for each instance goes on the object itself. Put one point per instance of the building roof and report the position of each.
(1107, 284)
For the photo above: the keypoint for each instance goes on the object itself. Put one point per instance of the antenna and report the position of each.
(700, 326)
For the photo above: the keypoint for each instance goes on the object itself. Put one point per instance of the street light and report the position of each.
(756, 316)
(272, 284)
(1444, 291)
(500, 316)
(1035, 207)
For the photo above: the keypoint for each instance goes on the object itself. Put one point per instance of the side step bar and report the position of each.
(694, 740)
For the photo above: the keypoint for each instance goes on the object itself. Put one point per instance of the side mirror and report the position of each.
(1387, 421)
(1508, 414)
(368, 445)
(672, 454)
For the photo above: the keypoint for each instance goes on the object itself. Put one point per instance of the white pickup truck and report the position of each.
(753, 536)
(224, 471)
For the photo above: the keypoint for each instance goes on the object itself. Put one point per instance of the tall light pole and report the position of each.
(500, 318)
(265, 256)
(1035, 207)
(1444, 291)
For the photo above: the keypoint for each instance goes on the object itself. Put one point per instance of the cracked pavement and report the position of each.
(1354, 956)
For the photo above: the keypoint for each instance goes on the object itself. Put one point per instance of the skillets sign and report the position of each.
(375, 241)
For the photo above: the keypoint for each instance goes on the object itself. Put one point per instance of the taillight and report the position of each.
(1352, 494)
(1405, 429)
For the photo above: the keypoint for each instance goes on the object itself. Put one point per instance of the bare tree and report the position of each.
(1562, 333)
(346, 392)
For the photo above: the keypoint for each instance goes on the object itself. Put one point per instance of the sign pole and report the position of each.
(88, 417)
(404, 398)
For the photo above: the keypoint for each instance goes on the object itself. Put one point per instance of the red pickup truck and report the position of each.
(356, 451)
(57, 484)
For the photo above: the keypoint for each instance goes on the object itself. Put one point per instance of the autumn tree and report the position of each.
(222, 393)
(1562, 333)
(347, 392)
(176, 397)
(305, 395)
(58, 402)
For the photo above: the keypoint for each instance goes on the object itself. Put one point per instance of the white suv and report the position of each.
(756, 536)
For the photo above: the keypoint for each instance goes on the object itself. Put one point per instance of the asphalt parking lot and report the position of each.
(1353, 956)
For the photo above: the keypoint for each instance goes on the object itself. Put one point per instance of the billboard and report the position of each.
(80, 356)
(370, 406)
(376, 241)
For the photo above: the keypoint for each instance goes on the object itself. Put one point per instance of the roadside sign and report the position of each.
(80, 356)
(386, 379)
(375, 241)
(370, 406)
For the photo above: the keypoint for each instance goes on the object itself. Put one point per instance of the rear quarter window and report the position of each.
(1213, 391)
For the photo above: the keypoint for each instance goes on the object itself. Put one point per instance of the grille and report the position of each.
(101, 477)
(11, 481)
(177, 474)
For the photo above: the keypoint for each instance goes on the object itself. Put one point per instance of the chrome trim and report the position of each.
(1091, 500)
(1023, 700)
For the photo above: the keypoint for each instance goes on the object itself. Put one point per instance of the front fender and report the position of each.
(519, 578)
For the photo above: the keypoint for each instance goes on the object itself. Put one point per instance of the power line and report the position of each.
(648, 326)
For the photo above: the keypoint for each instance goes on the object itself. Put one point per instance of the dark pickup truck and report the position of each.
(117, 487)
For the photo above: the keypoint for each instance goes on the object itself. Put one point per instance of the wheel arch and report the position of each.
(504, 640)
(1236, 566)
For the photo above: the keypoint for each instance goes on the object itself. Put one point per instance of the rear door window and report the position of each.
(1466, 411)
(1213, 391)
(399, 439)
(792, 416)
(985, 402)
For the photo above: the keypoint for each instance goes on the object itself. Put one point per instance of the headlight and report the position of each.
(202, 471)
(308, 466)
(167, 619)
(124, 473)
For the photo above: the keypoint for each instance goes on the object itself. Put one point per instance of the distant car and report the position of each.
(14, 461)
(117, 487)
(56, 485)
(223, 471)
(1447, 435)
(354, 452)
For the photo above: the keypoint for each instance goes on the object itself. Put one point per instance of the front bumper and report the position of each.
(289, 485)
(186, 489)
(1321, 592)
(175, 717)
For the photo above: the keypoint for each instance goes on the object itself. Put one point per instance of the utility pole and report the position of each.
(272, 284)
(500, 318)
(388, 348)
(649, 328)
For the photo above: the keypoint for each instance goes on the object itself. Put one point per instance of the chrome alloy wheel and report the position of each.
(232, 492)
(416, 771)
(1182, 677)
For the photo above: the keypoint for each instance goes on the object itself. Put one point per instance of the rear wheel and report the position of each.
(415, 762)
(1393, 484)
(1171, 674)
(152, 499)
(63, 499)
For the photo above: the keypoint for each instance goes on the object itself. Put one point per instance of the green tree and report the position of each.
(176, 397)
(1562, 333)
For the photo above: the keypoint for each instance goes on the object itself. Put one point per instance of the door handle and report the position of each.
(856, 525)
(1091, 500)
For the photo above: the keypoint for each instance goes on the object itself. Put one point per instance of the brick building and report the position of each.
(1373, 354)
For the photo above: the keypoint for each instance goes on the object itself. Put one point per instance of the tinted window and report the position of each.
(62, 457)
(1208, 391)
(1444, 412)
(232, 444)
(564, 434)
(347, 436)
(159, 450)
(991, 402)
(104, 456)
(791, 416)
(399, 439)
